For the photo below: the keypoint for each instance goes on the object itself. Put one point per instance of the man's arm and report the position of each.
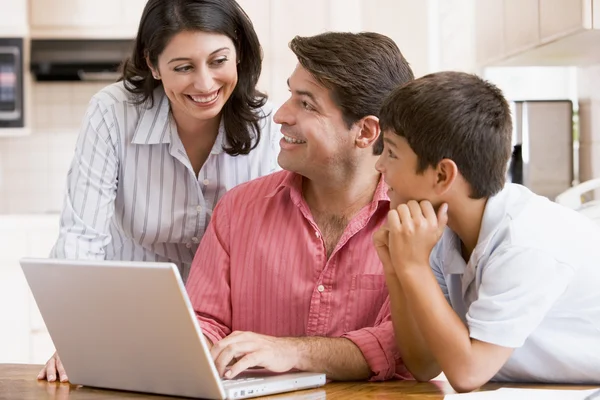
(339, 358)
(208, 283)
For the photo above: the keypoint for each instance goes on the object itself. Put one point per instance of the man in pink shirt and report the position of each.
(286, 276)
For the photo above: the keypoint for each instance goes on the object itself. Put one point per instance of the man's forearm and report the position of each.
(414, 350)
(339, 358)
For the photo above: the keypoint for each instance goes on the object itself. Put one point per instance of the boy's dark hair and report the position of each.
(458, 116)
(359, 69)
(161, 20)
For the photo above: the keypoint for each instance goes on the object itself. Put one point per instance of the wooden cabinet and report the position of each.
(489, 30)
(537, 32)
(561, 17)
(84, 18)
(521, 25)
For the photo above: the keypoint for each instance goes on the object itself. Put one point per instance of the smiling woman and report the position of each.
(159, 148)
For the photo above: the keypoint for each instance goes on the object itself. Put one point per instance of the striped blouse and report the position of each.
(132, 193)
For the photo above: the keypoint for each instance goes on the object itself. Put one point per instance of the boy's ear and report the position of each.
(368, 131)
(446, 174)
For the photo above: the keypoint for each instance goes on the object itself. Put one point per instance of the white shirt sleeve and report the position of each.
(518, 288)
(91, 190)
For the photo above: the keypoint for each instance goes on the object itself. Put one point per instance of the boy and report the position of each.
(487, 280)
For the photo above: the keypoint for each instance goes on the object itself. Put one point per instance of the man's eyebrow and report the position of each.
(304, 93)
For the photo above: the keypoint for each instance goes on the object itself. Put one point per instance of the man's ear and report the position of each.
(446, 174)
(368, 131)
(154, 71)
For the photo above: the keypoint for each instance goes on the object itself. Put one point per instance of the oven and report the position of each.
(11, 83)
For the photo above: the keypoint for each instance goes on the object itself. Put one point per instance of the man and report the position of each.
(510, 290)
(287, 263)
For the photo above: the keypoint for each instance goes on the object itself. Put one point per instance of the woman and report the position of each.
(158, 148)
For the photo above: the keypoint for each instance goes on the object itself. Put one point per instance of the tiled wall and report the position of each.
(33, 168)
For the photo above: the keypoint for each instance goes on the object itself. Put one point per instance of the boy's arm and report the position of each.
(467, 363)
(518, 288)
(414, 351)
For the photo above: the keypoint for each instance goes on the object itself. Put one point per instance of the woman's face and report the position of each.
(198, 71)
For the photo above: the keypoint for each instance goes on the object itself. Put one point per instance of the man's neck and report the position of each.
(465, 218)
(341, 196)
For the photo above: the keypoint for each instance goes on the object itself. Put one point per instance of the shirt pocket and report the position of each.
(365, 299)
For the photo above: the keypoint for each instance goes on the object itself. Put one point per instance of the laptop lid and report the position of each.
(124, 325)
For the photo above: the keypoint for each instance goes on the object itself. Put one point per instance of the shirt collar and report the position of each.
(156, 125)
(293, 182)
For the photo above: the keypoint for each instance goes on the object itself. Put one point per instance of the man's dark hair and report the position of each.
(359, 69)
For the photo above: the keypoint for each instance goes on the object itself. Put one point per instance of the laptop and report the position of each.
(130, 326)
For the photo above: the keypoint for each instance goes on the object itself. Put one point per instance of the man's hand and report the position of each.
(414, 229)
(242, 350)
(53, 370)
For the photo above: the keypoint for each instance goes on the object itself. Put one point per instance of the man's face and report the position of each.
(398, 164)
(315, 136)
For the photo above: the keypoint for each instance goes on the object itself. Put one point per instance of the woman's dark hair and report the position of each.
(162, 19)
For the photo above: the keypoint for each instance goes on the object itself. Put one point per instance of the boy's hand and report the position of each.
(414, 229)
(381, 242)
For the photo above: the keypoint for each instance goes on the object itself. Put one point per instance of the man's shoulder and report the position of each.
(257, 189)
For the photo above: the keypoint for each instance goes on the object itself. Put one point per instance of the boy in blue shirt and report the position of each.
(487, 280)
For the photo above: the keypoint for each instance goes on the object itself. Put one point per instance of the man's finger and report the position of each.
(232, 352)
(233, 338)
(248, 361)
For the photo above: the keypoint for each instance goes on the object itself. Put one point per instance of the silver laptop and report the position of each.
(130, 326)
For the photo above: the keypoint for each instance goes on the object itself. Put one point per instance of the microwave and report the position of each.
(11, 83)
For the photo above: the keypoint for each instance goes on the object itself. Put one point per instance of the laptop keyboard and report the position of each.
(239, 381)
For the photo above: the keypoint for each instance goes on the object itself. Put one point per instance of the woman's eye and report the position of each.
(220, 61)
(184, 68)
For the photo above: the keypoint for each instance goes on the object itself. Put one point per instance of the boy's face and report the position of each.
(398, 164)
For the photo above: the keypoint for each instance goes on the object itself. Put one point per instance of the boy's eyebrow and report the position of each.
(389, 141)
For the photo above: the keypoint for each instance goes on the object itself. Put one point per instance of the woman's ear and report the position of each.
(446, 174)
(368, 131)
(154, 71)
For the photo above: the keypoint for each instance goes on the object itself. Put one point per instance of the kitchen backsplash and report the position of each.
(33, 168)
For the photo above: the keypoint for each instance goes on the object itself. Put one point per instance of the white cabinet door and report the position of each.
(80, 19)
(596, 14)
(489, 31)
(13, 18)
(521, 25)
(560, 17)
(75, 13)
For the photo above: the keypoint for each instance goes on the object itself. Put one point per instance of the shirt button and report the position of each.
(195, 239)
(321, 288)
(188, 245)
(317, 234)
(199, 209)
(206, 182)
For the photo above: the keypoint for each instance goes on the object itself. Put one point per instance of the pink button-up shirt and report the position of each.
(262, 267)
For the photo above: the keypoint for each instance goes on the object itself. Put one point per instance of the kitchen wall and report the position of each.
(33, 168)
(589, 117)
